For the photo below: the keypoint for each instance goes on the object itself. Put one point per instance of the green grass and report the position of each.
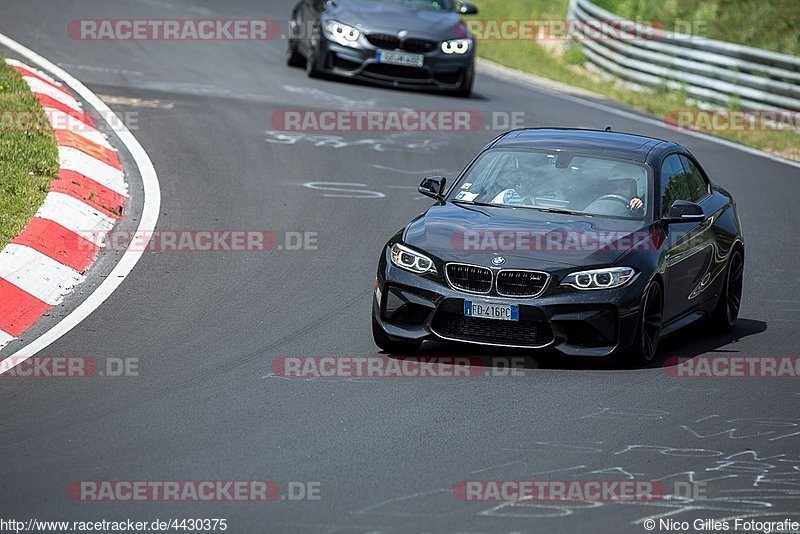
(563, 62)
(768, 24)
(28, 154)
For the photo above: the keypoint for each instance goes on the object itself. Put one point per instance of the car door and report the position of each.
(689, 246)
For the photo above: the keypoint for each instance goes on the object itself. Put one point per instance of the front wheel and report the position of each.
(648, 331)
(311, 65)
(465, 87)
(390, 344)
(293, 57)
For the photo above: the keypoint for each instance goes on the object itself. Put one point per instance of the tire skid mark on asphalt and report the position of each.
(328, 98)
(105, 70)
(390, 143)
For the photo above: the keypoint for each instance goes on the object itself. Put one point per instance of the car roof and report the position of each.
(599, 142)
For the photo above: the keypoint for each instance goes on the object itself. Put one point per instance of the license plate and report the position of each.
(400, 58)
(488, 310)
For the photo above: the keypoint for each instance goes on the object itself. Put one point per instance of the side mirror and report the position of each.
(683, 211)
(466, 8)
(433, 186)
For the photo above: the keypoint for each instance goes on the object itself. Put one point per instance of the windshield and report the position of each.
(557, 181)
(433, 5)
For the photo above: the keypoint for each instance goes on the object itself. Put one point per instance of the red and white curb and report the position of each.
(50, 256)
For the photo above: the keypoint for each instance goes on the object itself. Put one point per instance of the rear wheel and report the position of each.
(648, 332)
(392, 345)
(730, 299)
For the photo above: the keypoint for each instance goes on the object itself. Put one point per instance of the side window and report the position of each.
(697, 182)
(674, 183)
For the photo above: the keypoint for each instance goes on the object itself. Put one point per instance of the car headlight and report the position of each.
(457, 46)
(600, 278)
(411, 260)
(341, 33)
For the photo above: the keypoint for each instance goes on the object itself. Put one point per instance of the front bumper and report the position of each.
(575, 323)
(440, 71)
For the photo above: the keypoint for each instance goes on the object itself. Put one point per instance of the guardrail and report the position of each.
(710, 71)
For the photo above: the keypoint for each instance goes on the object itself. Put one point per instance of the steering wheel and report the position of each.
(617, 198)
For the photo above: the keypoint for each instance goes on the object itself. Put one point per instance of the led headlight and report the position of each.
(411, 260)
(600, 278)
(341, 33)
(456, 46)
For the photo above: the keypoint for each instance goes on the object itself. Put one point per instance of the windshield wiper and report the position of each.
(548, 210)
(473, 203)
(560, 210)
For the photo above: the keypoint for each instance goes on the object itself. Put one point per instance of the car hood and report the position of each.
(394, 18)
(476, 234)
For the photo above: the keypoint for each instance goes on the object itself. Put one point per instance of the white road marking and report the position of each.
(401, 171)
(344, 190)
(73, 159)
(147, 222)
(73, 214)
(5, 338)
(37, 274)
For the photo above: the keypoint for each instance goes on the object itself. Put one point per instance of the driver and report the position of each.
(624, 184)
(626, 189)
(529, 185)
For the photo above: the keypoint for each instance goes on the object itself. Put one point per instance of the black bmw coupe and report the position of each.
(420, 44)
(592, 243)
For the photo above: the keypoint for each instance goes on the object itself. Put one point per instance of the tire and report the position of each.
(293, 57)
(648, 329)
(311, 65)
(465, 89)
(730, 298)
(393, 345)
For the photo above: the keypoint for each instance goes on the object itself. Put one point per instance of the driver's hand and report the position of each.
(635, 204)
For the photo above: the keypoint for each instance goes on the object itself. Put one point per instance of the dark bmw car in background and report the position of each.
(592, 243)
(420, 44)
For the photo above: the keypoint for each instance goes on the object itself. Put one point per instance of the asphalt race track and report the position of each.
(205, 327)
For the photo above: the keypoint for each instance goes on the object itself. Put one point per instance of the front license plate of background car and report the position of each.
(400, 58)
